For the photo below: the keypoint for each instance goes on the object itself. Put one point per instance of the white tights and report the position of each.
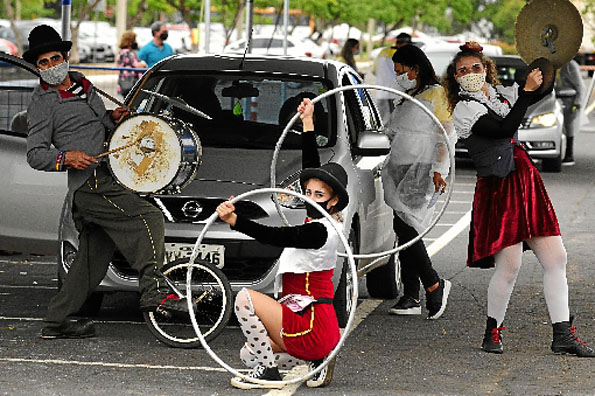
(552, 256)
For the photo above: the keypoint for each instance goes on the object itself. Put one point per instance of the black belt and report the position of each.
(324, 300)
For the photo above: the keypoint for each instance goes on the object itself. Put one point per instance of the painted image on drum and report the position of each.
(145, 165)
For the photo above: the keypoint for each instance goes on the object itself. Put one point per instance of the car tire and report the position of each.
(344, 292)
(384, 282)
(552, 164)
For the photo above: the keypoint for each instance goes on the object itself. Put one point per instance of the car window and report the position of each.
(16, 88)
(509, 74)
(247, 111)
(355, 121)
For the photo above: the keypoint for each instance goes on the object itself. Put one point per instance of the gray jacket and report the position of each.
(65, 124)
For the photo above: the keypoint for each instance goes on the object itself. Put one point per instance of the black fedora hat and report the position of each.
(332, 174)
(42, 39)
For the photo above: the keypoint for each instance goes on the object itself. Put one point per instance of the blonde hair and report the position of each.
(128, 38)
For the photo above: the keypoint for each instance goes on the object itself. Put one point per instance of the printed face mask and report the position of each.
(313, 213)
(55, 75)
(472, 82)
(405, 83)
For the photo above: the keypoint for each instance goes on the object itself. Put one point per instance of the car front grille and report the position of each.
(193, 210)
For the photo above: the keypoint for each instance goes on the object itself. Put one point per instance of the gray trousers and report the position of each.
(107, 217)
(571, 118)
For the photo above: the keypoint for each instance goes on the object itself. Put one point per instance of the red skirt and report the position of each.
(324, 335)
(509, 210)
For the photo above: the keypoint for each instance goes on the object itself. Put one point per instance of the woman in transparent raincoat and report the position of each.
(416, 168)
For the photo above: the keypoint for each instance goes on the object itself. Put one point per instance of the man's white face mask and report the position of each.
(55, 75)
(472, 82)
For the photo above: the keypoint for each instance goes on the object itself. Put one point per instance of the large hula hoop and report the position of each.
(352, 268)
(398, 248)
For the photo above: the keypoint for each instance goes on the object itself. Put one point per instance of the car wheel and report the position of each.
(552, 164)
(384, 282)
(344, 293)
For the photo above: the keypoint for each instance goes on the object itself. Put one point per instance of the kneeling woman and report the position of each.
(279, 337)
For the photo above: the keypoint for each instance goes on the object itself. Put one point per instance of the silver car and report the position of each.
(245, 97)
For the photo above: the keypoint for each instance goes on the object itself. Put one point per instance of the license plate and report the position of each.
(214, 254)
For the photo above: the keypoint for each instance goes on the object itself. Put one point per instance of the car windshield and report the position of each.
(508, 74)
(247, 112)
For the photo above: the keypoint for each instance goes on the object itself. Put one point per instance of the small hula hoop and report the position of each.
(352, 268)
(398, 248)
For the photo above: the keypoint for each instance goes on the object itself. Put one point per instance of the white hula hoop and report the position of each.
(352, 268)
(451, 176)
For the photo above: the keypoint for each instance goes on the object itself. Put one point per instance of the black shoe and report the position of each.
(406, 306)
(436, 301)
(492, 339)
(568, 161)
(82, 328)
(567, 342)
(324, 376)
(259, 372)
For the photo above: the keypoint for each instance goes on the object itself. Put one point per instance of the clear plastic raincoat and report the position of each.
(418, 149)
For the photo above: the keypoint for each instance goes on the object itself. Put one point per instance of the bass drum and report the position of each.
(158, 154)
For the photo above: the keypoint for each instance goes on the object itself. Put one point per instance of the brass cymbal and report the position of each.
(552, 29)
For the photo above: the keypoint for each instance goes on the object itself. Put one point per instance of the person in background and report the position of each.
(511, 207)
(348, 52)
(384, 70)
(157, 49)
(570, 77)
(415, 170)
(128, 58)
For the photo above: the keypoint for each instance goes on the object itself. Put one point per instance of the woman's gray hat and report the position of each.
(42, 39)
(332, 174)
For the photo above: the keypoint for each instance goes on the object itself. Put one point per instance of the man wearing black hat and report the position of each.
(67, 124)
(384, 70)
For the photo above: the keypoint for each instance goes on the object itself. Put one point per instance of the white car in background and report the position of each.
(273, 45)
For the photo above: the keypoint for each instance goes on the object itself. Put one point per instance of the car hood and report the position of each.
(545, 105)
(224, 172)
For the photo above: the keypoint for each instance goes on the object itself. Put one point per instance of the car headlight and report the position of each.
(291, 201)
(544, 120)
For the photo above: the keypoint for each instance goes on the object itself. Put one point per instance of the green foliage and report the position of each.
(503, 13)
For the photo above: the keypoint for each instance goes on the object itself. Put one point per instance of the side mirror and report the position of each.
(371, 144)
(565, 93)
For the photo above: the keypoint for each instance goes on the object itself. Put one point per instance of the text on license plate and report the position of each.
(212, 253)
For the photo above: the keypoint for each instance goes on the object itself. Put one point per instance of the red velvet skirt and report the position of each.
(509, 210)
(324, 334)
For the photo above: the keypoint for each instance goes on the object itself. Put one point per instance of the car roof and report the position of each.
(311, 67)
(509, 60)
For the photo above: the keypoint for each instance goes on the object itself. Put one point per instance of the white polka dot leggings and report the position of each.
(257, 350)
(551, 254)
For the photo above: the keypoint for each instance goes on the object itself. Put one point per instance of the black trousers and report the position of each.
(415, 262)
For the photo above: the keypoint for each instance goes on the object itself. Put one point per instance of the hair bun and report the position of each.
(472, 46)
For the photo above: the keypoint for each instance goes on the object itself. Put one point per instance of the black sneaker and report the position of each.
(436, 300)
(492, 339)
(259, 372)
(406, 306)
(324, 376)
(82, 328)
